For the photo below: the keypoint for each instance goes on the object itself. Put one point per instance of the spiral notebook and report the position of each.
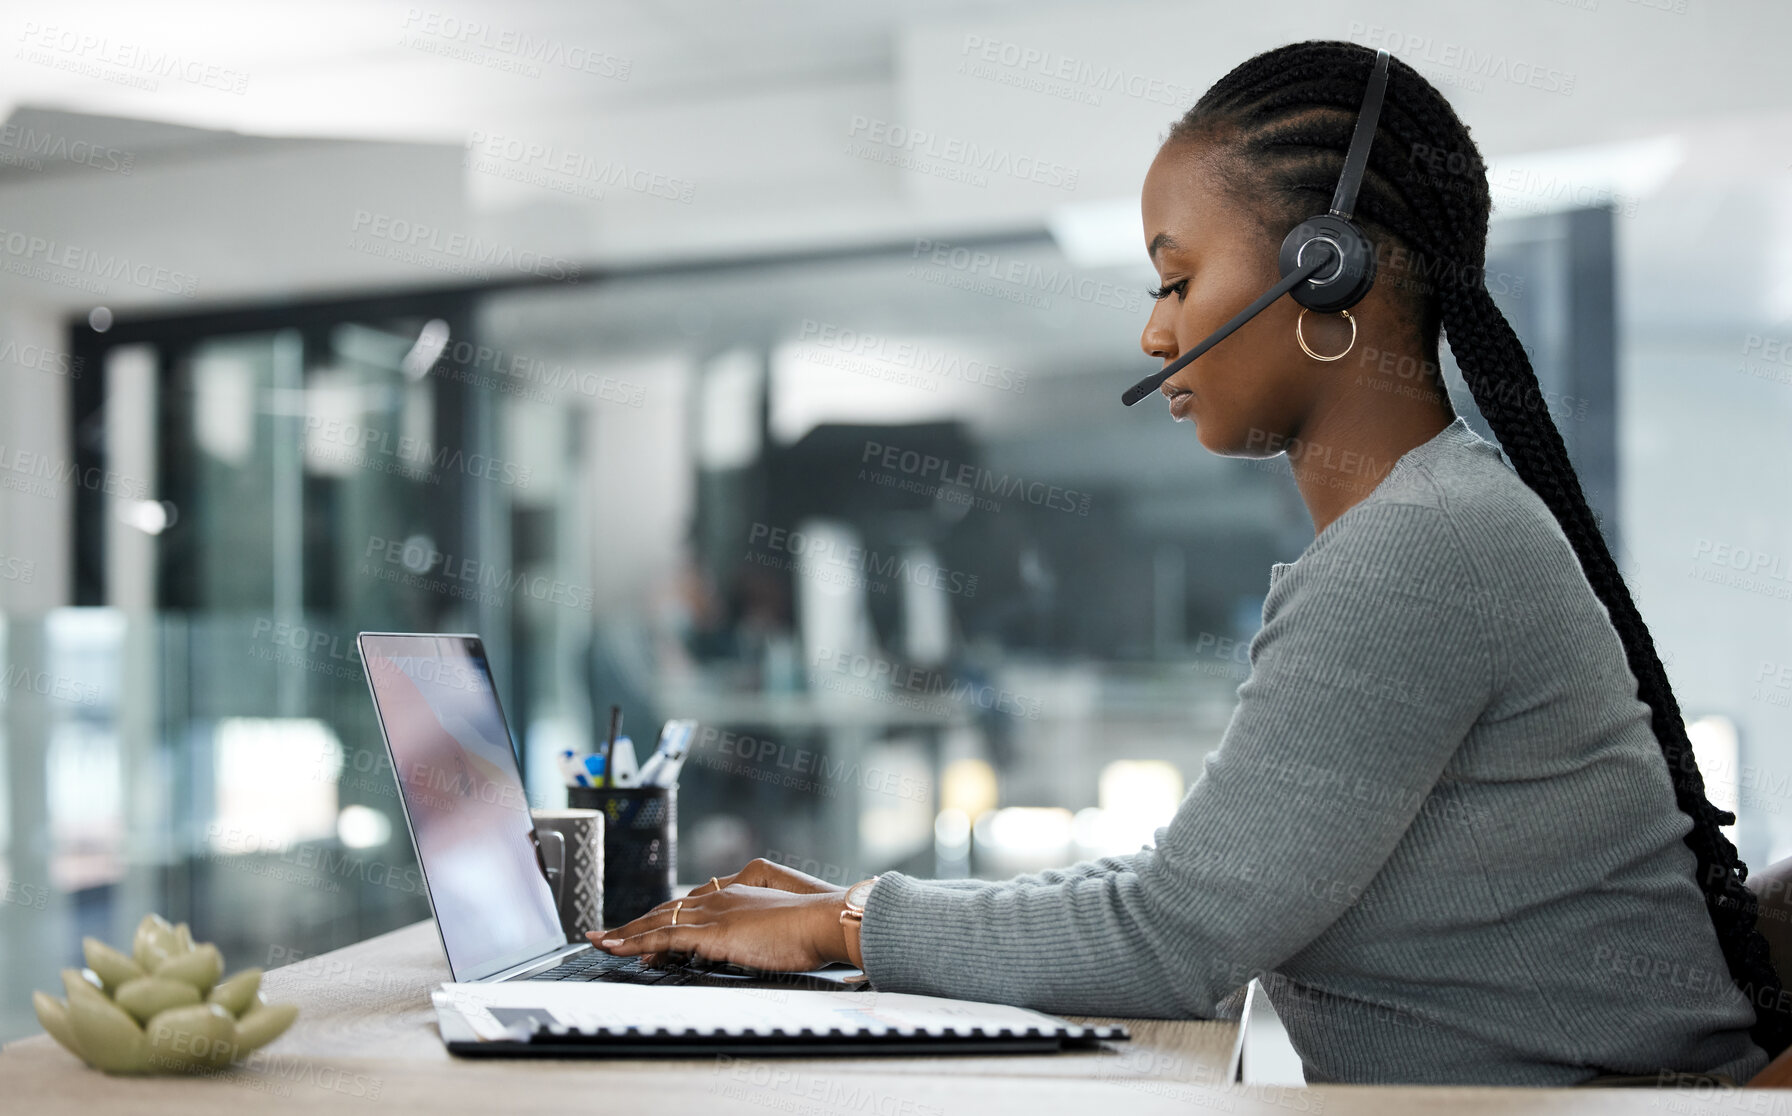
(624, 1020)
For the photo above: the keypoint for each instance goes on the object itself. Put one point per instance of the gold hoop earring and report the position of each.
(1316, 356)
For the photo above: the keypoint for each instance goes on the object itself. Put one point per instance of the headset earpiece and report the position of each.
(1340, 284)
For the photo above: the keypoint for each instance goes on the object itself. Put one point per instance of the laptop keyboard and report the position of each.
(596, 965)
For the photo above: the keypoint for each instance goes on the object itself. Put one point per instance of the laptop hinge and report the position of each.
(539, 965)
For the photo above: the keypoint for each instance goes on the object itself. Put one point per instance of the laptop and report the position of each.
(463, 801)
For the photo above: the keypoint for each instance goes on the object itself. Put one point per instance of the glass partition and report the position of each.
(876, 520)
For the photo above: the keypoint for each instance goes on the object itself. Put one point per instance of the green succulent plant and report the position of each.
(161, 1008)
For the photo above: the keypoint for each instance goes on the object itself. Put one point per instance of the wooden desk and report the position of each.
(366, 1041)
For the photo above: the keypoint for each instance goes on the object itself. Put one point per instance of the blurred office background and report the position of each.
(759, 363)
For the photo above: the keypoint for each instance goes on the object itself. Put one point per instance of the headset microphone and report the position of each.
(1330, 243)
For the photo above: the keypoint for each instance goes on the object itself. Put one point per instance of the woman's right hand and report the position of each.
(769, 873)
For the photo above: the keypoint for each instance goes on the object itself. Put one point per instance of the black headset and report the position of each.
(1329, 243)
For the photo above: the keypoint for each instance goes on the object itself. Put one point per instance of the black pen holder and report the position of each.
(640, 846)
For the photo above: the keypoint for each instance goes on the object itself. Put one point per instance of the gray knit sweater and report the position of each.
(1438, 828)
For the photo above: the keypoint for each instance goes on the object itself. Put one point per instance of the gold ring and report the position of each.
(675, 909)
(1316, 356)
(715, 883)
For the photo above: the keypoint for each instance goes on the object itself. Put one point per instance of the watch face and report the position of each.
(859, 892)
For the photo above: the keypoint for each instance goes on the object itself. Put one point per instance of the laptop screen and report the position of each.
(463, 798)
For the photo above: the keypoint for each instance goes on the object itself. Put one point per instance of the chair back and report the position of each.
(1773, 893)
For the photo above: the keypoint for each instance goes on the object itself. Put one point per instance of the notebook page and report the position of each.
(492, 1009)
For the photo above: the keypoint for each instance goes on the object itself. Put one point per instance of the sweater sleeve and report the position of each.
(1105, 866)
(1366, 675)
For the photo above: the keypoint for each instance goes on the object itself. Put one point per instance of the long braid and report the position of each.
(1280, 123)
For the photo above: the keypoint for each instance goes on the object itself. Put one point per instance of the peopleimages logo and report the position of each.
(505, 48)
(529, 377)
(28, 148)
(39, 475)
(312, 649)
(1739, 567)
(889, 359)
(563, 170)
(916, 687)
(120, 62)
(39, 358)
(1473, 68)
(951, 156)
(1020, 280)
(960, 481)
(373, 447)
(825, 558)
(1774, 358)
(1048, 71)
(17, 894)
(416, 237)
(23, 570)
(798, 768)
(781, 1087)
(16, 676)
(1779, 690)
(71, 265)
(323, 864)
(426, 567)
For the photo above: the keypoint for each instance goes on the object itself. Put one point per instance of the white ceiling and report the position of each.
(352, 68)
(753, 103)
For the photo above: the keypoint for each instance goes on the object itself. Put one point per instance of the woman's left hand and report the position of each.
(759, 927)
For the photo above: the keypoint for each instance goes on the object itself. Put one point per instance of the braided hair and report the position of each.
(1275, 130)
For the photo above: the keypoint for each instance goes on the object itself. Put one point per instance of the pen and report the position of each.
(610, 745)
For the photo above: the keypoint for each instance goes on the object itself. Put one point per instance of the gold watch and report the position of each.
(856, 895)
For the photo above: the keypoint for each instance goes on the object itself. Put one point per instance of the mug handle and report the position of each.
(553, 857)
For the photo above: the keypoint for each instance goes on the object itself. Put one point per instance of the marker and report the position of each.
(627, 774)
(661, 768)
(570, 767)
